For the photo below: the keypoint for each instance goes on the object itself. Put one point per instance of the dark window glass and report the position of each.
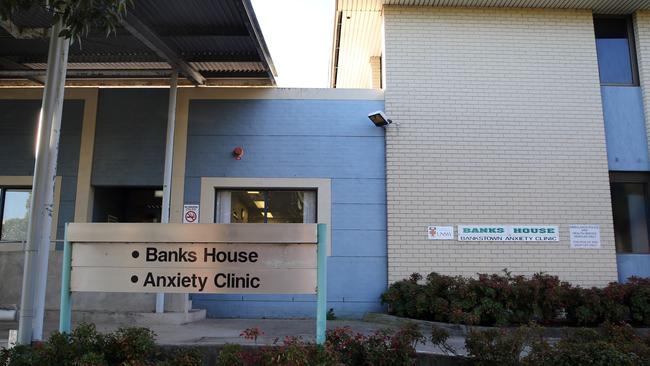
(15, 214)
(127, 204)
(630, 209)
(614, 48)
(265, 206)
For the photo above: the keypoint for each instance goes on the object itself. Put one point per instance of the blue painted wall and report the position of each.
(306, 139)
(627, 143)
(130, 137)
(632, 265)
(18, 123)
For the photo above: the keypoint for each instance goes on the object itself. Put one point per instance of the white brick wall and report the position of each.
(500, 122)
(642, 40)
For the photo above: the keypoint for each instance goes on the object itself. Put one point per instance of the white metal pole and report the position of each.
(37, 247)
(169, 155)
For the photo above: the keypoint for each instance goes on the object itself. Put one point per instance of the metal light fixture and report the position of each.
(379, 119)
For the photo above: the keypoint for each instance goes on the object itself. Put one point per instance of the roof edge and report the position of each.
(256, 32)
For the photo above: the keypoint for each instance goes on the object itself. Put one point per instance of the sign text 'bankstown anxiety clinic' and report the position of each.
(508, 233)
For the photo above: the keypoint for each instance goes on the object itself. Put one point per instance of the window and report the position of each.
(265, 206)
(630, 210)
(14, 213)
(127, 204)
(615, 49)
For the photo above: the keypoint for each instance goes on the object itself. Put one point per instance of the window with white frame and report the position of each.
(14, 213)
(265, 206)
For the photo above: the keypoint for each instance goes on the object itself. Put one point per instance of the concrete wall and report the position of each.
(130, 137)
(500, 122)
(301, 139)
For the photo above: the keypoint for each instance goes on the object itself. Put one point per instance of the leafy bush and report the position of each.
(342, 347)
(511, 300)
(611, 345)
(85, 346)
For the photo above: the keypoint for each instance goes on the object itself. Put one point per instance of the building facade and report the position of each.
(310, 155)
(520, 113)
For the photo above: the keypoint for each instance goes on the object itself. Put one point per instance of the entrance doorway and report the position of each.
(127, 204)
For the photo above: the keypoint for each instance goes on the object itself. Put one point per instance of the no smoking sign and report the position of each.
(190, 214)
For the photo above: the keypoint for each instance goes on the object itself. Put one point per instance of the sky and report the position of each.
(299, 35)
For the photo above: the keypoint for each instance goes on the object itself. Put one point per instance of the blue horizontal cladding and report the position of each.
(272, 117)
(625, 129)
(286, 156)
(355, 216)
(359, 243)
(356, 278)
(630, 265)
(130, 137)
(18, 125)
(302, 139)
(359, 190)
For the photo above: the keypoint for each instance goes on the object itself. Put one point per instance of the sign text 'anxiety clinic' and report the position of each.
(194, 268)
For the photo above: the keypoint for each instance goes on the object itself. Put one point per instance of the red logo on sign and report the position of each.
(190, 216)
(432, 231)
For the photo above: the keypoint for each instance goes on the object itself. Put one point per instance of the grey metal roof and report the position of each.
(220, 39)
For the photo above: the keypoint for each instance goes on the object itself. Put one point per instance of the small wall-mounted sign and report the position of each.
(585, 236)
(508, 233)
(190, 214)
(440, 232)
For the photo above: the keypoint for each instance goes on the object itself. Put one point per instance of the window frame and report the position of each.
(266, 191)
(631, 45)
(631, 177)
(322, 187)
(27, 181)
(3, 194)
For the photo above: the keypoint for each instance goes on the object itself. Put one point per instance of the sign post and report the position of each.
(200, 258)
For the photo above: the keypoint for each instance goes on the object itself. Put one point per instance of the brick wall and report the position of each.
(499, 122)
(642, 35)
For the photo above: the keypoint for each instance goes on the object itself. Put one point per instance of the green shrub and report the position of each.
(611, 345)
(342, 347)
(501, 347)
(499, 300)
(85, 346)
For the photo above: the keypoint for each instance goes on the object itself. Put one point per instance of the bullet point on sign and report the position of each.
(134, 279)
(135, 254)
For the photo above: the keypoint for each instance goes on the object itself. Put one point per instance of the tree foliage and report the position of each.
(77, 17)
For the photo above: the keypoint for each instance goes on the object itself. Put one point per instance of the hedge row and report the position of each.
(509, 300)
(136, 347)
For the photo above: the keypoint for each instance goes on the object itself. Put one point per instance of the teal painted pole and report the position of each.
(321, 309)
(66, 310)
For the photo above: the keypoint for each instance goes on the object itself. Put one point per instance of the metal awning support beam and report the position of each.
(167, 173)
(143, 33)
(23, 33)
(29, 73)
(9, 64)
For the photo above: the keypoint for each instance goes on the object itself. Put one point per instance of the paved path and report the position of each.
(221, 331)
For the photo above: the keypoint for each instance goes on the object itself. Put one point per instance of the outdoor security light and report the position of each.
(379, 119)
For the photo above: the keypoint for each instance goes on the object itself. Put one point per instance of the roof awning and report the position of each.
(209, 42)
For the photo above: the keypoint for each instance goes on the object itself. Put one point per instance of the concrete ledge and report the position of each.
(461, 330)
(132, 318)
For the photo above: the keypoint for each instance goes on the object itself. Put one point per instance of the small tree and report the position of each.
(77, 17)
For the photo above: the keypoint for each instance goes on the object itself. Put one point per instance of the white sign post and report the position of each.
(585, 236)
(190, 214)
